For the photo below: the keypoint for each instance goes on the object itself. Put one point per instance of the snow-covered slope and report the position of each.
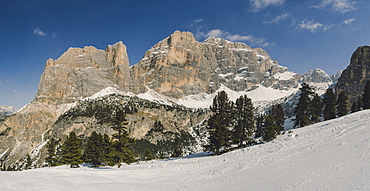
(6, 111)
(332, 155)
(259, 94)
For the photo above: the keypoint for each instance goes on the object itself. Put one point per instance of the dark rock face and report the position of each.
(354, 77)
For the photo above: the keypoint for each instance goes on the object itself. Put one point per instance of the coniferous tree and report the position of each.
(269, 131)
(148, 155)
(317, 108)
(273, 123)
(72, 150)
(51, 157)
(220, 123)
(121, 151)
(278, 116)
(177, 151)
(303, 111)
(366, 96)
(244, 114)
(28, 162)
(260, 124)
(329, 111)
(106, 148)
(342, 104)
(356, 105)
(94, 149)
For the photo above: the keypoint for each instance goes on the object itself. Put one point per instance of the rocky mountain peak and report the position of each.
(180, 37)
(220, 42)
(117, 54)
(354, 77)
(6, 111)
(316, 76)
(81, 72)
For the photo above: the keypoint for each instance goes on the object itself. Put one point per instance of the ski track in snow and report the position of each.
(331, 155)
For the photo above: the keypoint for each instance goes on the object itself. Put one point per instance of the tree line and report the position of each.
(235, 123)
(232, 124)
(311, 108)
(98, 149)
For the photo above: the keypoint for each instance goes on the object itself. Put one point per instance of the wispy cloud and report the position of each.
(313, 26)
(261, 4)
(234, 37)
(196, 21)
(348, 21)
(341, 6)
(278, 18)
(39, 32)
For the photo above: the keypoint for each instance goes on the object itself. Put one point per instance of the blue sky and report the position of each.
(301, 35)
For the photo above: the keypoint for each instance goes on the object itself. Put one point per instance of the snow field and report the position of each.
(332, 155)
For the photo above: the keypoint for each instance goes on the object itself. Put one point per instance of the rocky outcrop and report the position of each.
(354, 77)
(179, 66)
(81, 72)
(23, 132)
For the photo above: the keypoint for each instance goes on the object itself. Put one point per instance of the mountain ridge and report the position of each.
(176, 71)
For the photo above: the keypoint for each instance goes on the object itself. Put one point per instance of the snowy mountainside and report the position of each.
(6, 111)
(95, 114)
(331, 155)
(262, 96)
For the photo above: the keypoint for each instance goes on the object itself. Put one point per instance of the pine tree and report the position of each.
(94, 149)
(148, 155)
(317, 108)
(177, 151)
(51, 158)
(121, 151)
(366, 96)
(303, 110)
(220, 123)
(28, 162)
(342, 104)
(278, 116)
(244, 114)
(329, 105)
(106, 148)
(260, 125)
(356, 105)
(72, 150)
(269, 131)
(272, 124)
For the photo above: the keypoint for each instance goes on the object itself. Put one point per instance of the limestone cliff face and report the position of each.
(81, 72)
(22, 133)
(179, 66)
(354, 77)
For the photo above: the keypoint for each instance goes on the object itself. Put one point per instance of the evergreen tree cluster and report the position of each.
(235, 123)
(98, 149)
(304, 111)
(271, 124)
(311, 108)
